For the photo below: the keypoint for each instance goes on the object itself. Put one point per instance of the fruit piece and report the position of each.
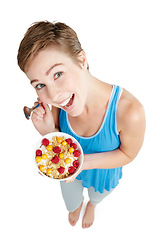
(68, 160)
(61, 170)
(71, 149)
(49, 147)
(57, 150)
(59, 139)
(71, 169)
(61, 155)
(76, 163)
(74, 145)
(44, 156)
(45, 141)
(38, 152)
(64, 143)
(55, 159)
(49, 170)
(77, 153)
(69, 140)
(38, 159)
(42, 168)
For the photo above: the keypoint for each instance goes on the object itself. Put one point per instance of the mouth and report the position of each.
(68, 102)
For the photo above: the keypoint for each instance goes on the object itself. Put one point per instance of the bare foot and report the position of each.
(88, 217)
(74, 216)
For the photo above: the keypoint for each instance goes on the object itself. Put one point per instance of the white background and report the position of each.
(122, 43)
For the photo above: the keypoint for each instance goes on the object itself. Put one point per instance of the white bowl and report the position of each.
(58, 134)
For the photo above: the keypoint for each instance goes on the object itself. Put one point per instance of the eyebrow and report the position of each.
(55, 65)
(48, 71)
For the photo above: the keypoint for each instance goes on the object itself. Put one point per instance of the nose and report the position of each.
(54, 94)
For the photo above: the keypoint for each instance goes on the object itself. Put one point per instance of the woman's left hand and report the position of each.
(74, 177)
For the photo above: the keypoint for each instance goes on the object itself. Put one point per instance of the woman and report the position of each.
(108, 121)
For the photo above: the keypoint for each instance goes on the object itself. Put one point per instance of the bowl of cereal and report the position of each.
(58, 156)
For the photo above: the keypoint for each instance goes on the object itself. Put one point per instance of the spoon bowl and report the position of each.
(28, 111)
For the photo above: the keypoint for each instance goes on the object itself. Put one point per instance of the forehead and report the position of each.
(46, 58)
(49, 54)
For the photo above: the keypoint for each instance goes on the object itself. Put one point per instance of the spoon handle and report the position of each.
(35, 107)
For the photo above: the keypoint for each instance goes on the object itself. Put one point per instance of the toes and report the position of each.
(72, 222)
(84, 225)
(87, 225)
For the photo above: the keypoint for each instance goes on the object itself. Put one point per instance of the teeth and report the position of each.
(66, 101)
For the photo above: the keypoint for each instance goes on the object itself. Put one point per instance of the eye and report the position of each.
(39, 86)
(57, 75)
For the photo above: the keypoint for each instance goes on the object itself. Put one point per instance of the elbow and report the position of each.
(127, 158)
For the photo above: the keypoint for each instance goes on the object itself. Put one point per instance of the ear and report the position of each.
(83, 60)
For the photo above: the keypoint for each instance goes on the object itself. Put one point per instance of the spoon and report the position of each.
(27, 111)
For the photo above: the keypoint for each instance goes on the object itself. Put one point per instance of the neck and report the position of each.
(97, 93)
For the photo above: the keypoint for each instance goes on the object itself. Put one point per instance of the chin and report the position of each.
(76, 113)
(76, 109)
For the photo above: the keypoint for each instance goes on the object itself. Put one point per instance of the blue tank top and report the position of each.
(106, 139)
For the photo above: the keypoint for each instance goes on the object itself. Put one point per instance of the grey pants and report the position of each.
(73, 194)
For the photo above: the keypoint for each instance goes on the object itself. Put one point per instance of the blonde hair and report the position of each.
(43, 34)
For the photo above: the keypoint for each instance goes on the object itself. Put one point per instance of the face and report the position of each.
(59, 81)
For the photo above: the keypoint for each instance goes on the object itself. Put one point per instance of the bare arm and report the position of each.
(131, 138)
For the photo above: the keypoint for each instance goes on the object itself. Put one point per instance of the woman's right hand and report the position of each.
(42, 119)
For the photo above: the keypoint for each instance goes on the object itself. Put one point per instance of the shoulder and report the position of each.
(130, 112)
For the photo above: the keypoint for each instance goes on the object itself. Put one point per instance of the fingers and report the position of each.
(46, 108)
(36, 116)
(71, 179)
(38, 113)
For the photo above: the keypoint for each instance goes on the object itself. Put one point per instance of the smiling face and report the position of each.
(59, 81)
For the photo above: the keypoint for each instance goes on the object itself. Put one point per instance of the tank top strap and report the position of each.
(112, 109)
(118, 91)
